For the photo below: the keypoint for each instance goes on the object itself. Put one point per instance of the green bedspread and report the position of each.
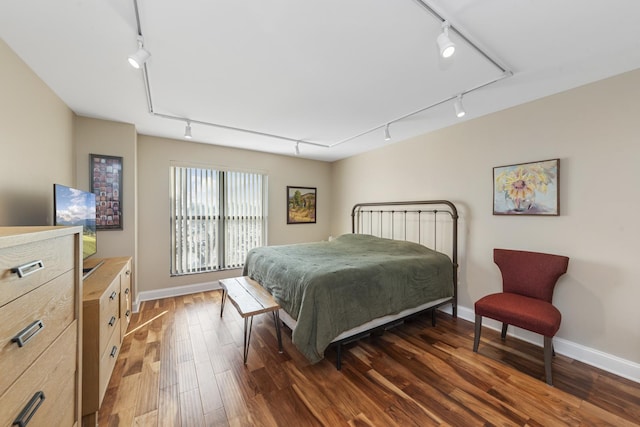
(330, 287)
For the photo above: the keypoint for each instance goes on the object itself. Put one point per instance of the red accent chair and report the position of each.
(528, 280)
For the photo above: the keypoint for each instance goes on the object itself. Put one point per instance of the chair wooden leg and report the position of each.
(503, 334)
(548, 351)
(476, 338)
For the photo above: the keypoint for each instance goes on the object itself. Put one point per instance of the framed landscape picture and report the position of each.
(106, 184)
(527, 188)
(301, 205)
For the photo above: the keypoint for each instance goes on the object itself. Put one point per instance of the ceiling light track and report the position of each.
(446, 25)
(252, 132)
(450, 27)
(147, 88)
(428, 107)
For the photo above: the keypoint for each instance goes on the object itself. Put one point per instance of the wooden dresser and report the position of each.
(106, 315)
(40, 327)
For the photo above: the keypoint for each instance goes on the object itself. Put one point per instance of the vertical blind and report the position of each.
(216, 218)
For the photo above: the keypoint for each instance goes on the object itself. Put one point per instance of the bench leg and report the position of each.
(247, 337)
(224, 298)
(276, 319)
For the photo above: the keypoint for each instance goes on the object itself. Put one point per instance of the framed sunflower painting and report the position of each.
(527, 188)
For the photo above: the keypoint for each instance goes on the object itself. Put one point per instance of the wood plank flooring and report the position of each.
(181, 365)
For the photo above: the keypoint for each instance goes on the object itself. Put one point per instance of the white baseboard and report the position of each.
(173, 292)
(608, 362)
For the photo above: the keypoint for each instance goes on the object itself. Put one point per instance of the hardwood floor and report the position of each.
(181, 365)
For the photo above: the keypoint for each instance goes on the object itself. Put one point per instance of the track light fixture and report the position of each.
(137, 59)
(459, 107)
(447, 47)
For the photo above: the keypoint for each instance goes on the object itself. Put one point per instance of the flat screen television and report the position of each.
(76, 207)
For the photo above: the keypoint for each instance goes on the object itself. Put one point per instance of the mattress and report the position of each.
(332, 287)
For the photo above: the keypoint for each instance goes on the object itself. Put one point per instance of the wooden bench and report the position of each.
(250, 298)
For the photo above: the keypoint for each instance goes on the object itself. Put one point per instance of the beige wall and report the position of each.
(36, 136)
(154, 157)
(94, 136)
(595, 132)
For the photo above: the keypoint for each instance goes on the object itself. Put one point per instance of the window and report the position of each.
(216, 218)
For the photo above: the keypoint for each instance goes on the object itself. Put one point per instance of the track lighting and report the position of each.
(447, 47)
(140, 57)
(459, 107)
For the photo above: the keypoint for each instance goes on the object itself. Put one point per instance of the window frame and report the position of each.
(218, 214)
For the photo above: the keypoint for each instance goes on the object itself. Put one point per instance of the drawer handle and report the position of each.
(27, 333)
(128, 313)
(29, 268)
(128, 272)
(113, 295)
(30, 410)
(114, 351)
(112, 321)
(126, 291)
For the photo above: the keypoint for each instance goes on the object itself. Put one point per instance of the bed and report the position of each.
(334, 291)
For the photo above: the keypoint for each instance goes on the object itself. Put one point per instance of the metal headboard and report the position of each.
(393, 220)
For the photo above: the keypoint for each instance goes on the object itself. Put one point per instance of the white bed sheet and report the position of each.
(291, 322)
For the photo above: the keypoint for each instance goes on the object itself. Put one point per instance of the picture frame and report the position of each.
(106, 184)
(527, 188)
(301, 205)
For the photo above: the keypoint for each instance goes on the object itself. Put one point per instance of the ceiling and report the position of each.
(263, 74)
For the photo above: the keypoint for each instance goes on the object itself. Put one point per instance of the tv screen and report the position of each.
(76, 207)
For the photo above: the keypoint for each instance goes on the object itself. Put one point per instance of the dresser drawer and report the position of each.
(32, 322)
(109, 313)
(43, 383)
(38, 263)
(108, 362)
(60, 412)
